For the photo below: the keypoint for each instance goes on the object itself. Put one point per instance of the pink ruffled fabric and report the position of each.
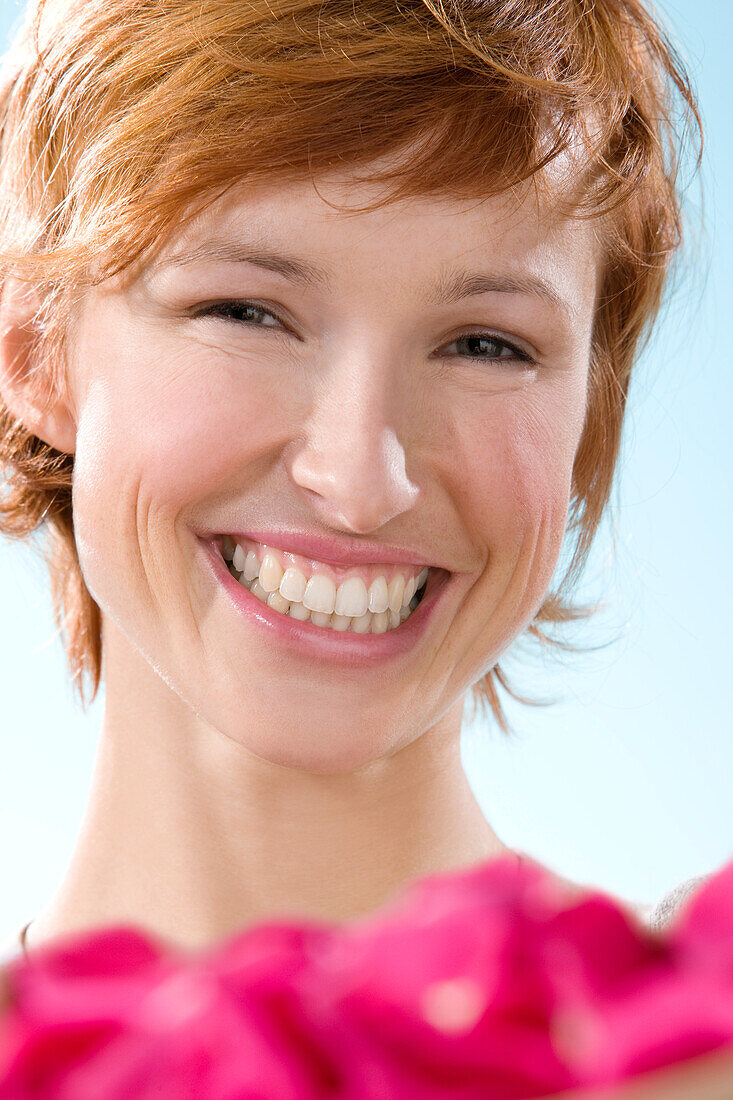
(493, 983)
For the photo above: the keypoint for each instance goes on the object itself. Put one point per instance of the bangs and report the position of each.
(159, 107)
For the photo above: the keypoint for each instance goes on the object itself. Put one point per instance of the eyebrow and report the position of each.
(450, 288)
(290, 267)
(453, 288)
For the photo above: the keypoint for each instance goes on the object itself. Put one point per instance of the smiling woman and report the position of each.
(318, 321)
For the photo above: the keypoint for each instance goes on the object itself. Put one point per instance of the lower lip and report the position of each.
(316, 641)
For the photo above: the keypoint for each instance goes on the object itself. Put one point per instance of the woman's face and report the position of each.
(410, 382)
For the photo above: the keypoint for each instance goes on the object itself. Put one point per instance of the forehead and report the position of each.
(316, 230)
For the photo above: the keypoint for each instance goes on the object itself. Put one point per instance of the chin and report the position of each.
(327, 758)
(311, 743)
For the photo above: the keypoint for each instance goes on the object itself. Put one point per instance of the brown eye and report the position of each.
(486, 346)
(248, 313)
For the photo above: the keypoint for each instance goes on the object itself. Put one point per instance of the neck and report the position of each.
(191, 837)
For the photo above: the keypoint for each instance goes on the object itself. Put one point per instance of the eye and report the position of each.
(485, 345)
(246, 313)
(479, 345)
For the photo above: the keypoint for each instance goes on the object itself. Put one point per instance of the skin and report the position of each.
(234, 782)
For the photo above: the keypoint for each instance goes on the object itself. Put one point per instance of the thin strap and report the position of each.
(22, 938)
(668, 907)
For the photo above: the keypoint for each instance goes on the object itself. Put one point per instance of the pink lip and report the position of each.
(306, 639)
(333, 550)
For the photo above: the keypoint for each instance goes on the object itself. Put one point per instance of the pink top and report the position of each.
(655, 916)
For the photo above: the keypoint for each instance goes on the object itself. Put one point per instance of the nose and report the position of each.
(350, 459)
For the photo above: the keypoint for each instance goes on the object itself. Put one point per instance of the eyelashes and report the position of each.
(486, 340)
(251, 313)
(478, 346)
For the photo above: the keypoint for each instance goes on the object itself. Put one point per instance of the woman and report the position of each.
(318, 321)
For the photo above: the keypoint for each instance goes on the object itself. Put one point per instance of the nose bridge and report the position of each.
(353, 450)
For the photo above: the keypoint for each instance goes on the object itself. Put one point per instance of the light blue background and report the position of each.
(627, 781)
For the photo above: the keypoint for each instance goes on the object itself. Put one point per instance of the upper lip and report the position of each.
(332, 549)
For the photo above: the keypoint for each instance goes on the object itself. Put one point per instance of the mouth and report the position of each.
(368, 599)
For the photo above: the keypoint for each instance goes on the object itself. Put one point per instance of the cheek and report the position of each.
(517, 469)
(198, 428)
(153, 438)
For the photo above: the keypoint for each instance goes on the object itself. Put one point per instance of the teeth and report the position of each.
(361, 624)
(396, 592)
(258, 591)
(370, 622)
(292, 585)
(378, 595)
(271, 573)
(278, 602)
(350, 607)
(380, 622)
(251, 565)
(351, 598)
(320, 594)
(239, 558)
(320, 618)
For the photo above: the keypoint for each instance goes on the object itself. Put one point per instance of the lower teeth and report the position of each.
(318, 619)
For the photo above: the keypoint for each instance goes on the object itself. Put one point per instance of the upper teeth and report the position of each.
(319, 592)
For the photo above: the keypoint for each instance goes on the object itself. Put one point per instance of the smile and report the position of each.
(361, 600)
